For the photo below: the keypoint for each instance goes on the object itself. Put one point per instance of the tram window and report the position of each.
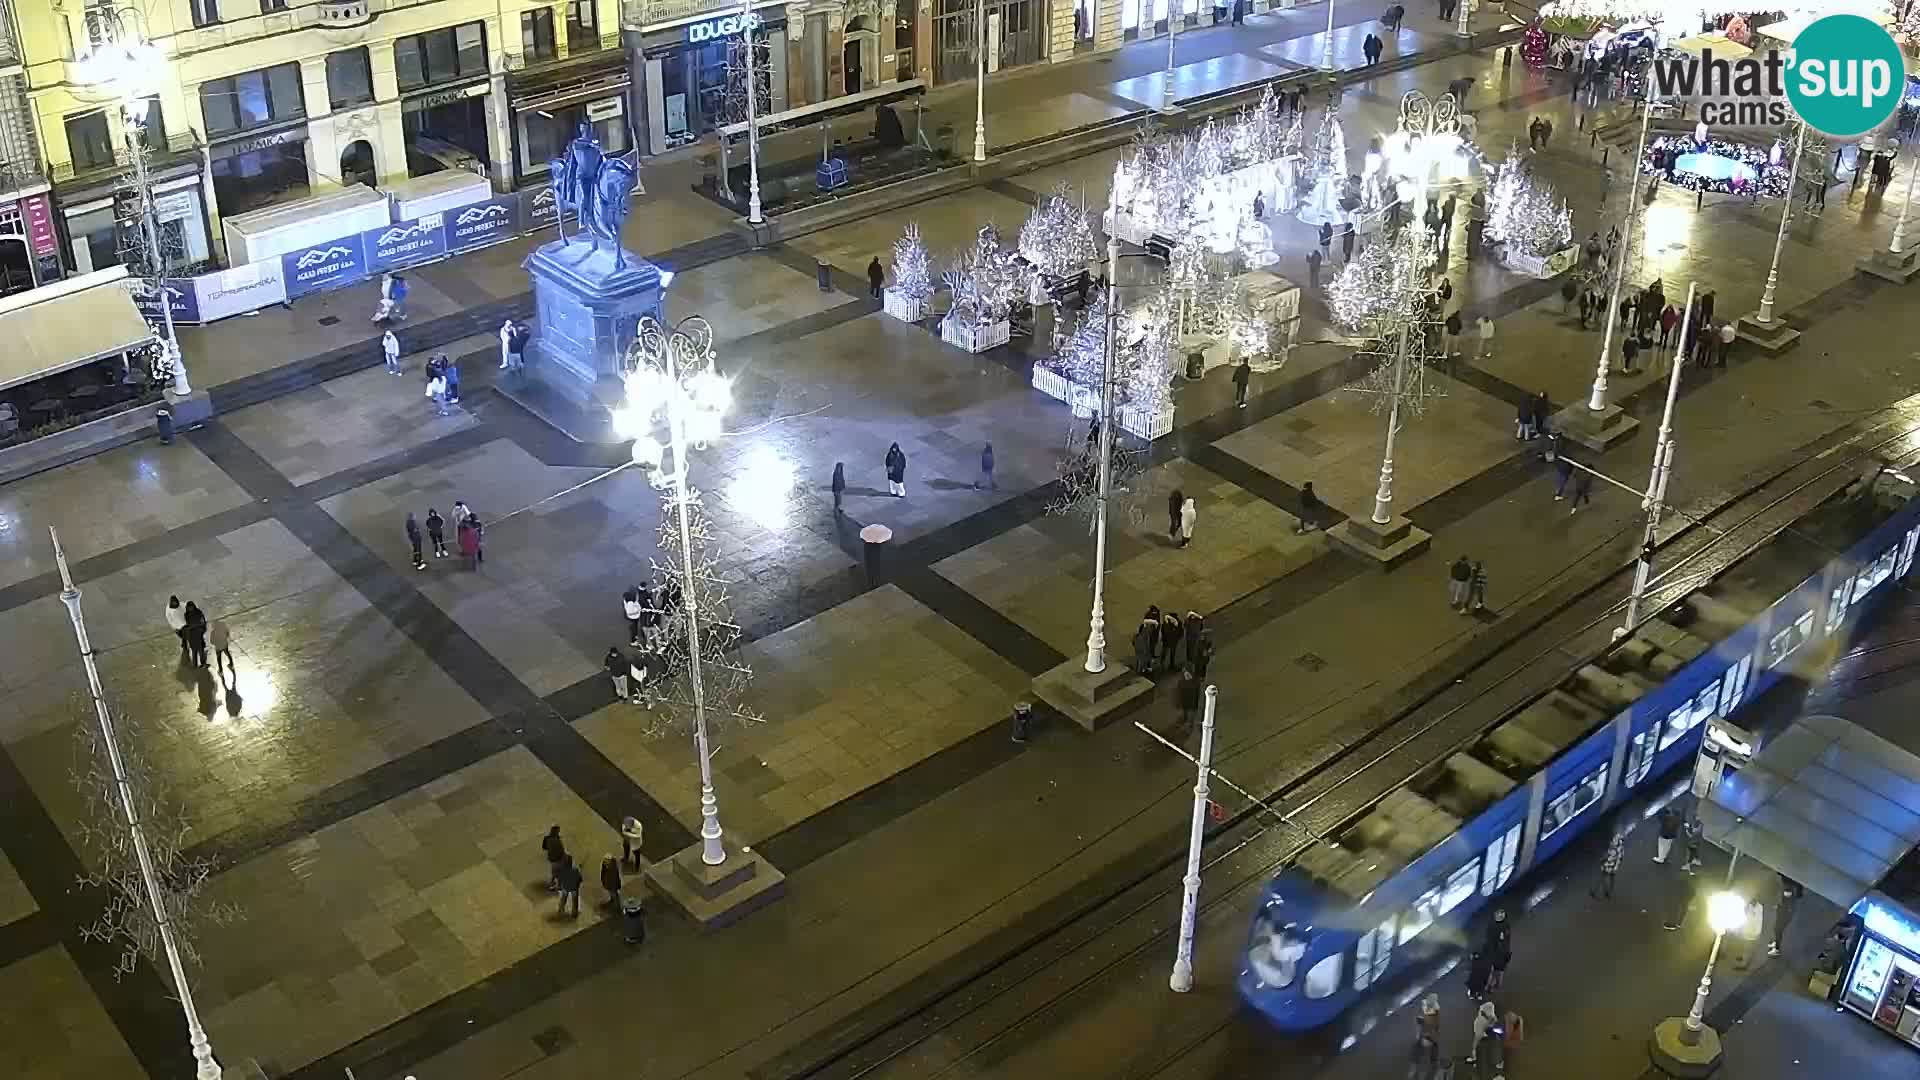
(1363, 961)
(1459, 886)
(1501, 856)
(1906, 552)
(1382, 948)
(1275, 951)
(1734, 685)
(1873, 575)
(1571, 802)
(1640, 756)
(1323, 978)
(1675, 725)
(1691, 714)
(1420, 915)
(1788, 641)
(1837, 605)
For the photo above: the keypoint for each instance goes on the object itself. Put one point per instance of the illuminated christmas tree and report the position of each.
(912, 267)
(1523, 214)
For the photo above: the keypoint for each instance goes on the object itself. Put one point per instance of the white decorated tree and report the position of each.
(912, 266)
(1057, 238)
(1523, 214)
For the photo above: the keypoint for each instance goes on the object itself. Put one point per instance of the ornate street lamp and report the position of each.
(674, 378)
(753, 116)
(1688, 1047)
(980, 82)
(125, 64)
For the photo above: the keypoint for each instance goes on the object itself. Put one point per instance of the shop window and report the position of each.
(1459, 886)
(1275, 951)
(205, 12)
(458, 52)
(1569, 804)
(1420, 915)
(1734, 686)
(1323, 978)
(349, 78)
(1501, 857)
(88, 141)
(251, 100)
(536, 35)
(583, 26)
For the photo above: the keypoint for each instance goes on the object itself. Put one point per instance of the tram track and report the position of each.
(977, 1011)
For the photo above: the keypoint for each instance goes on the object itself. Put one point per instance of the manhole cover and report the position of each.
(329, 320)
(1310, 661)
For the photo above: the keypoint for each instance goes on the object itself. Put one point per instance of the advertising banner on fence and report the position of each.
(404, 243)
(180, 296)
(324, 266)
(239, 290)
(483, 222)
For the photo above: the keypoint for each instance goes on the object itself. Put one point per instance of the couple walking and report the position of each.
(1181, 514)
(196, 633)
(1467, 586)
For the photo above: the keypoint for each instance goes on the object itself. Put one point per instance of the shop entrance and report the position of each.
(356, 164)
(447, 136)
(1013, 35)
(16, 265)
(860, 54)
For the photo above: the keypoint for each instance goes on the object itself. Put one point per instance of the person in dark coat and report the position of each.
(617, 670)
(469, 540)
(1146, 642)
(1195, 627)
(569, 878)
(1175, 500)
(1203, 656)
(1479, 974)
(986, 469)
(1498, 946)
(437, 532)
(610, 880)
(413, 541)
(1582, 490)
(1187, 699)
(1171, 629)
(1542, 413)
(1242, 375)
(196, 635)
(839, 483)
(555, 849)
(876, 278)
(897, 471)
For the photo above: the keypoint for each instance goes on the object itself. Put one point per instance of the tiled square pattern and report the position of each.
(52, 1028)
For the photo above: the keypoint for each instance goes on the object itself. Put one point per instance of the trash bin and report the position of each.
(633, 919)
(1196, 365)
(874, 537)
(825, 273)
(163, 420)
(1022, 720)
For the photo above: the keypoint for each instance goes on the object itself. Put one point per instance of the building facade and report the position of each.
(29, 248)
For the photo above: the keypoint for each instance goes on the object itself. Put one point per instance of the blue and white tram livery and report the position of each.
(1396, 887)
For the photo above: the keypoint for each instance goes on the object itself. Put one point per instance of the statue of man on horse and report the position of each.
(596, 188)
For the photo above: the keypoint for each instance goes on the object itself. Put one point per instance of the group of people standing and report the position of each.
(1165, 642)
(469, 534)
(652, 616)
(443, 382)
(197, 634)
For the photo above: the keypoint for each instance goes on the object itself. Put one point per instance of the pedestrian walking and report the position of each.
(469, 540)
(1727, 335)
(1189, 513)
(570, 879)
(451, 368)
(1477, 587)
(1459, 577)
(610, 881)
(1669, 831)
(1695, 832)
(196, 635)
(1610, 864)
(1312, 510)
(1201, 658)
(437, 390)
(1788, 903)
(1479, 974)
(1454, 327)
(618, 670)
(1542, 413)
(555, 850)
(1346, 244)
(630, 606)
(220, 642)
(390, 348)
(897, 471)
(385, 309)
(876, 278)
(1426, 1041)
(1146, 640)
(1523, 427)
(437, 532)
(1326, 241)
(1668, 318)
(1582, 490)
(177, 621)
(1314, 261)
(1188, 699)
(986, 469)
(413, 541)
(1629, 351)
(1486, 1021)
(1171, 631)
(1485, 348)
(1176, 501)
(1242, 374)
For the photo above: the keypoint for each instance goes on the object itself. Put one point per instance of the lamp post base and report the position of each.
(1676, 1052)
(1769, 337)
(1389, 545)
(1597, 431)
(1094, 699)
(716, 896)
(1897, 267)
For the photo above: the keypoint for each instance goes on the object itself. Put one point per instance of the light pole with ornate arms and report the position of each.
(1760, 328)
(753, 115)
(980, 82)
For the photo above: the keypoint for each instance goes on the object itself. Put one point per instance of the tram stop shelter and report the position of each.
(1827, 803)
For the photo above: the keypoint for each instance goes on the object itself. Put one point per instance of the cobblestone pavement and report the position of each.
(372, 781)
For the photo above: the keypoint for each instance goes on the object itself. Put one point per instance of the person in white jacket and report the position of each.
(177, 620)
(506, 345)
(1485, 1022)
(1188, 514)
(390, 345)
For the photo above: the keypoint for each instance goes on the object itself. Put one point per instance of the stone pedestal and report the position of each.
(1092, 699)
(1674, 1055)
(1898, 267)
(1597, 431)
(586, 314)
(715, 896)
(1769, 337)
(1389, 545)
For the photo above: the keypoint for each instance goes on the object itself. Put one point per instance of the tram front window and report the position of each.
(1275, 952)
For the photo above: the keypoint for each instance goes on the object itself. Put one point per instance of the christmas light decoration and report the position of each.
(1718, 165)
(1385, 286)
(1207, 180)
(1533, 45)
(912, 266)
(1057, 238)
(985, 281)
(1523, 214)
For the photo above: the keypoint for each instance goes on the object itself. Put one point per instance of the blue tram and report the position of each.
(1397, 885)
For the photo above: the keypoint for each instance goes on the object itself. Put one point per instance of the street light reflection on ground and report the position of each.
(1667, 228)
(763, 492)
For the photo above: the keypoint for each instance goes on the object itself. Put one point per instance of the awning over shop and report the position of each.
(77, 321)
(1826, 803)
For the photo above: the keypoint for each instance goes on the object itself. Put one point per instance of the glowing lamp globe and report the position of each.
(1726, 912)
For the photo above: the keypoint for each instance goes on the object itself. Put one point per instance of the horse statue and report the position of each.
(618, 179)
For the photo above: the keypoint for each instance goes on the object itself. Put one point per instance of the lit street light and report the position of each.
(1687, 1046)
(1097, 622)
(753, 115)
(980, 82)
(676, 379)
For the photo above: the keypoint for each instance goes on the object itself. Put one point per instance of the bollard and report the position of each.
(1022, 720)
(163, 420)
(825, 274)
(874, 537)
